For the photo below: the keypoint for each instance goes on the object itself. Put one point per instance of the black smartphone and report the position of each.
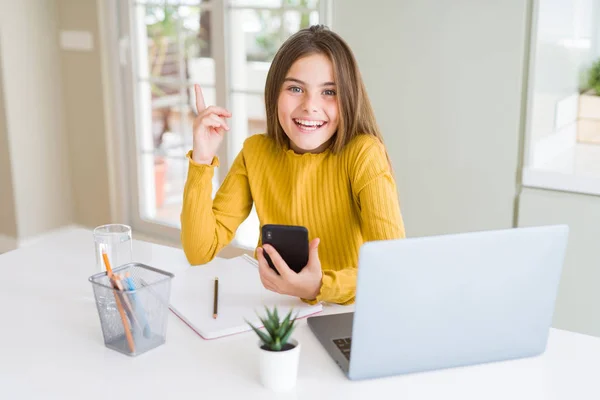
(290, 241)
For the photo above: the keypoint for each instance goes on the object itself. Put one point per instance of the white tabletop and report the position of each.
(51, 347)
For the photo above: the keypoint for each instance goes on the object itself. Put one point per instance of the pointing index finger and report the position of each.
(200, 105)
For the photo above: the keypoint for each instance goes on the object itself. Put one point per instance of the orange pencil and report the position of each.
(128, 305)
(107, 264)
(115, 280)
(119, 306)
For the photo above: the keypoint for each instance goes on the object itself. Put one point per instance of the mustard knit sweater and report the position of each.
(344, 199)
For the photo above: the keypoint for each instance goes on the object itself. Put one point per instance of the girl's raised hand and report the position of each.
(209, 129)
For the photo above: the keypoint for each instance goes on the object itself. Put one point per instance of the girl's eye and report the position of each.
(329, 92)
(295, 89)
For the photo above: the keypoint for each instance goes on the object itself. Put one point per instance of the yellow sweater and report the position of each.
(344, 199)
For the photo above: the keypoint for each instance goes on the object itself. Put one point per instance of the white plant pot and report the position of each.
(589, 105)
(279, 369)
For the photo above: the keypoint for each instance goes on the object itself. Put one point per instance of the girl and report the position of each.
(322, 164)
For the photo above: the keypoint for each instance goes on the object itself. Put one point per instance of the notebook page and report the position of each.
(241, 296)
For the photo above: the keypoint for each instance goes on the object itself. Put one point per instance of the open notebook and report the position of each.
(241, 296)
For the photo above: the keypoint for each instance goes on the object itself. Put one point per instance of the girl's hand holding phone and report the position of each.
(306, 284)
(209, 129)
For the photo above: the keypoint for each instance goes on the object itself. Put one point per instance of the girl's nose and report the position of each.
(310, 104)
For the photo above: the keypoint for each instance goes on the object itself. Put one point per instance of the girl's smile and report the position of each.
(309, 126)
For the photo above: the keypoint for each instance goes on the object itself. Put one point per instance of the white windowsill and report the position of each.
(575, 169)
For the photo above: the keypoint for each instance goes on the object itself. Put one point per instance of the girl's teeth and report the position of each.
(309, 124)
(309, 128)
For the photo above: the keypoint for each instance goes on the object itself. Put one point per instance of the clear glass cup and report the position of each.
(115, 240)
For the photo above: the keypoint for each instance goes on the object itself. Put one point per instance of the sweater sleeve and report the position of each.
(375, 195)
(206, 225)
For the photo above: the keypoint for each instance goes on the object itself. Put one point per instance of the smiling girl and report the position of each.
(321, 164)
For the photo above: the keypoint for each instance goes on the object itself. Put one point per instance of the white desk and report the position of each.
(51, 347)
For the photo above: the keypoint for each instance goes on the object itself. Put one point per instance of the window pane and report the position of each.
(169, 189)
(169, 52)
(255, 34)
(256, 3)
(174, 138)
(164, 170)
(172, 2)
(196, 31)
(303, 3)
(162, 188)
(161, 33)
(248, 118)
(293, 21)
(162, 183)
(174, 36)
(275, 3)
(169, 116)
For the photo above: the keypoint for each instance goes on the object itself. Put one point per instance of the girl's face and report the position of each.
(307, 105)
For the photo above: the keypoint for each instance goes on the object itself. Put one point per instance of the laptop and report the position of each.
(447, 301)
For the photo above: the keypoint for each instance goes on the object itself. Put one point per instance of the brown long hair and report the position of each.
(356, 113)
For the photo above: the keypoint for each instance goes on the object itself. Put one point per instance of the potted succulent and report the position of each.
(594, 77)
(279, 354)
(588, 124)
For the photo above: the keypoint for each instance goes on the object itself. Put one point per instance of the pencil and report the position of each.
(216, 299)
(116, 282)
(111, 276)
(107, 263)
(128, 306)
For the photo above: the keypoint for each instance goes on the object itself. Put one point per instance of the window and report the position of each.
(224, 45)
(562, 132)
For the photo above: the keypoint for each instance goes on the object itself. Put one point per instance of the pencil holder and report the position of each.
(133, 307)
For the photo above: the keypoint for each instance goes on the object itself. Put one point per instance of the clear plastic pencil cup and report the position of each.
(133, 307)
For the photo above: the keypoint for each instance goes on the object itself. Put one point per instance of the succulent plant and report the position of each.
(594, 77)
(277, 333)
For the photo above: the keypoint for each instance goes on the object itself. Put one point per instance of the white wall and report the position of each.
(446, 81)
(83, 102)
(34, 116)
(578, 294)
(8, 223)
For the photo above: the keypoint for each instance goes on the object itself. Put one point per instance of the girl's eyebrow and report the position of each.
(304, 83)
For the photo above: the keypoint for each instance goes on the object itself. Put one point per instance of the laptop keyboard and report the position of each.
(344, 345)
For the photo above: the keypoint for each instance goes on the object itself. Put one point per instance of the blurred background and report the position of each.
(490, 112)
